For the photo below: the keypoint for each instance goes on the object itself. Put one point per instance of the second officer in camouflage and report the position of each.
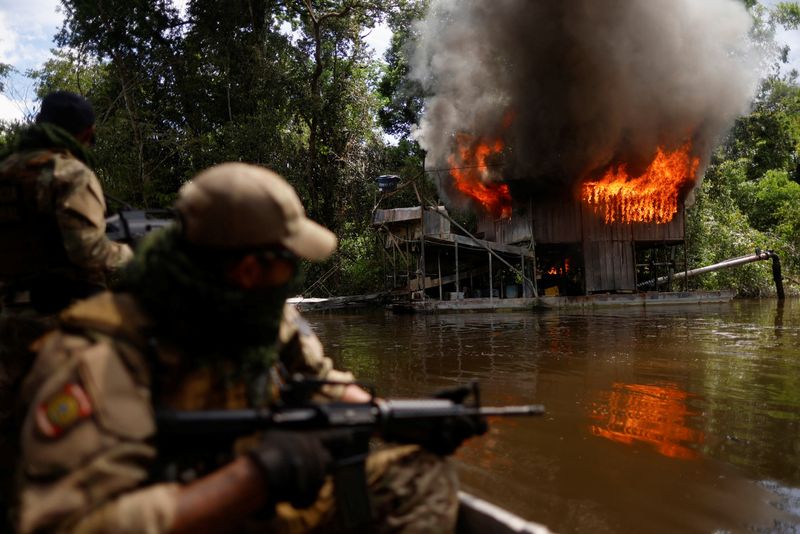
(52, 240)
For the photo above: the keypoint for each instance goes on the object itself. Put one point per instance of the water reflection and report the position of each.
(656, 415)
(717, 385)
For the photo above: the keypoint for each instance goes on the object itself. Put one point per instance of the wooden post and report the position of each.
(524, 284)
(394, 265)
(534, 283)
(491, 282)
(422, 253)
(383, 257)
(685, 253)
(458, 282)
(408, 263)
(439, 266)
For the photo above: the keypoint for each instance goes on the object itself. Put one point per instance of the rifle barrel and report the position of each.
(529, 409)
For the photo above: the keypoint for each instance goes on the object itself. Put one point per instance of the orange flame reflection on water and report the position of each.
(651, 197)
(470, 172)
(649, 414)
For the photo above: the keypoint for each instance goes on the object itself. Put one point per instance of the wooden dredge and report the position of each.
(549, 253)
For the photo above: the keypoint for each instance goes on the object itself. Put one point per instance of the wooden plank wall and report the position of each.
(486, 227)
(609, 253)
(435, 224)
(557, 222)
(672, 232)
(609, 266)
(517, 229)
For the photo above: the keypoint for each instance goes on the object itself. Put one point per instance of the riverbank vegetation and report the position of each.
(750, 194)
(292, 85)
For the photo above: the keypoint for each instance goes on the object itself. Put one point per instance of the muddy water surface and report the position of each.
(679, 419)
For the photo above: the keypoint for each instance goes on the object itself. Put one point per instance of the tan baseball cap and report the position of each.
(239, 206)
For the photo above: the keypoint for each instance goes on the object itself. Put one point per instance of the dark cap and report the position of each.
(69, 111)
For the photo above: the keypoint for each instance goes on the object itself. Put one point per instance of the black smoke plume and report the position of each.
(587, 83)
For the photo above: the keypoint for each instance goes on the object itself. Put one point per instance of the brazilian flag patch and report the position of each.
(61, 411)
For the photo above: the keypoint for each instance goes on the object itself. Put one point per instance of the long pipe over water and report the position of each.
(733, 262)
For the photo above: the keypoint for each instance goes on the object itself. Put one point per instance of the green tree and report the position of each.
(5, 70)
(285, 84)
(751, 187)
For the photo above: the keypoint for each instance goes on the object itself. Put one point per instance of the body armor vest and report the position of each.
(119, 318)
(30, 240)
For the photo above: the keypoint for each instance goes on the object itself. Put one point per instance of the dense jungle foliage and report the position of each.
(291, 85)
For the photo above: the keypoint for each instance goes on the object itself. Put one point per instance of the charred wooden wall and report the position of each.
(609, 250)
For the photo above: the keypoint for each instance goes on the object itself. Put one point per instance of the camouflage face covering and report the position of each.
(45, 135)
(194, 307)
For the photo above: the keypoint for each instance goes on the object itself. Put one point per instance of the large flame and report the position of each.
(651, 197)
(471, 173)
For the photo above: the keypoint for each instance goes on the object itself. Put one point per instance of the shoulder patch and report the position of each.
(63, 410)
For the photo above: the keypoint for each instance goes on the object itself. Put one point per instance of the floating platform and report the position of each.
(644, 299)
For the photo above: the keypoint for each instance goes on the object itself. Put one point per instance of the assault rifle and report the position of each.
(131, 225)
(439, 424)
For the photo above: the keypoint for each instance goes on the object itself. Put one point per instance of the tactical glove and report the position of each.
(448, 435)
(294, 465)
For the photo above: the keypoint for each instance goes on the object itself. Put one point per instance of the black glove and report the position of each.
(294, 465)
(448, 435)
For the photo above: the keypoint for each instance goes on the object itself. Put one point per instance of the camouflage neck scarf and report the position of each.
(194, 308)
(45, 135)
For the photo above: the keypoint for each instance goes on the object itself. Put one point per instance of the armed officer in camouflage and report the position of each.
(200, 322)
(52, 239)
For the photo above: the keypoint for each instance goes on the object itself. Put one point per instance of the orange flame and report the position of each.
(470, 173)
(651, 197)
(656, 415)
(559, 271)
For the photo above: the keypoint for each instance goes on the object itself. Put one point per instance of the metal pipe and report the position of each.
(733, 262)
(777, 276)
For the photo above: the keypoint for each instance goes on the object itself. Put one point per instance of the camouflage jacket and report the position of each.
(52, 221)
(87, 439)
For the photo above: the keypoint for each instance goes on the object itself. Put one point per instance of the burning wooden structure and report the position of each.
(558, 247)
(601, 234)
(429, 256)
(578, 252)
(610, 232)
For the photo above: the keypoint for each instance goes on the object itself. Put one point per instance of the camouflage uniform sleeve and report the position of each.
(80, 211)
(301, 352)
(86, 444)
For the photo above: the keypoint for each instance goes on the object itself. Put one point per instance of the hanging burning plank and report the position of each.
(651, 197)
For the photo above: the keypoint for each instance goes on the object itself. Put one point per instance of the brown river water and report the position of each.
(678, 419)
